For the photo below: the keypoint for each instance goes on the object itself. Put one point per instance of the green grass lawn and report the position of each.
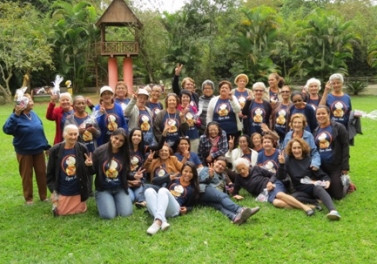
(30, 234)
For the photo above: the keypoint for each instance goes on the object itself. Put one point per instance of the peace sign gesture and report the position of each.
(211, 171)
(88, 159)
(150, 156)
(139, 173)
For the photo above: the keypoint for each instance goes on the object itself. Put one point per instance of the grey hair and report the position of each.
(78, 97)
(68, 127)
(337, 76)
(68, 95)
(313, 80)
(240, 161)
(259, 84)
(208, 82)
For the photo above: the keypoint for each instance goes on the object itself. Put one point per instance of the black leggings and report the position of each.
(317, 192)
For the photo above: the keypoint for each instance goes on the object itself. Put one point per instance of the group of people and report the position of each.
(291, 149)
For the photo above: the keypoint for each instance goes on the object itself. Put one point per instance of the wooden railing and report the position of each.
(119, 48)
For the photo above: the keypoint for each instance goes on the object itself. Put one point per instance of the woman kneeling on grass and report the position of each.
(256, 179)
(67, 177)
(111, 164)
(182, 193)
(296, 165)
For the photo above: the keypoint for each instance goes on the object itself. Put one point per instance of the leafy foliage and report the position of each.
(24, 42)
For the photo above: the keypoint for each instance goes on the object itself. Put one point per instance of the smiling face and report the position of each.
(65, 103)
(298, 101)
(117, 141)
(267, 144)
(258, 92)
(213, 131)
(224, 91)
(219, 166)
(171, 102)
(183, 145)
(189, 85)
(208, 90)
(70, 136)
(79, 105)
(187, 174)
(136, 137)
(107, 97)
(337, 85)
(121, 91)
(185, 99)
(156, 93)
(323, 117)
(164, 153)
(285, 93)
(141, 100)
(257, 140)
(241, 83)
(297, 124)
(242, 170)
(272, 81)
(313, 88)
(297, 150)
(242, 141)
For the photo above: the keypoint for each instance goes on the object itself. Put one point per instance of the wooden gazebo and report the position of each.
(119, 15)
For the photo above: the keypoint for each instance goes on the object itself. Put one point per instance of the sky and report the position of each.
(170, 6)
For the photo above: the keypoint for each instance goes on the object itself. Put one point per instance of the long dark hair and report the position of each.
(124, 150)
(140, 147)
(194, 181)
(206, 132)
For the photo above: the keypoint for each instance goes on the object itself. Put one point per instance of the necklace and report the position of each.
(27, 116)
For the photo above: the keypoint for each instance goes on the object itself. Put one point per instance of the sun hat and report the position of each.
(242, 75)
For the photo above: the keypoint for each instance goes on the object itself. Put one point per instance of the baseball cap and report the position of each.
(104, 89)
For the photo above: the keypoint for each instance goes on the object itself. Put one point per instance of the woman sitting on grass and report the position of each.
(162, 167)
(182, 193)
(309, 182)
(255, 179)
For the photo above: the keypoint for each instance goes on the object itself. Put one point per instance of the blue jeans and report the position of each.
(220, 201)
(161, 204)
(136, 194)
(111, 203)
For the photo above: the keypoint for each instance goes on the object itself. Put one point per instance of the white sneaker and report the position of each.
(153, 229)
(333, 215)
(165, 226)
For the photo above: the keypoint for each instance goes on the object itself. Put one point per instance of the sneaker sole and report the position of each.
(333, 217)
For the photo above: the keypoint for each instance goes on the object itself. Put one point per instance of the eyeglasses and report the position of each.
(259, 91)
(285, 91)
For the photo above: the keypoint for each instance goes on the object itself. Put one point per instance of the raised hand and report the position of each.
(178, 69)
(211, 170)
(139, 173)
(88, 159)
(281, 157)
(231, 142)
(150, 156)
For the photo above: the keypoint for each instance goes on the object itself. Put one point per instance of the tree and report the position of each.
(75, 36)
(323, 44)
(255, 37)
(24, 46)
